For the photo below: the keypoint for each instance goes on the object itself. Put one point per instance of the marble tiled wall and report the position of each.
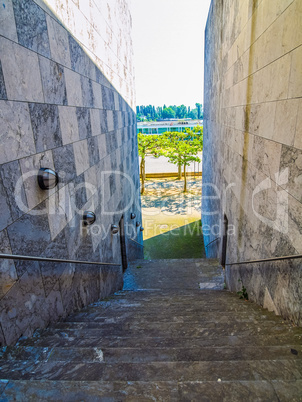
(253, 145)
(58, 109)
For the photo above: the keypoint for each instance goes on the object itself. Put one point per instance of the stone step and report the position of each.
(153, 329)
(150, 354)
(70, 391)
(106, 309)
(204, 321)
(230, 370)
(62, 339)
(206, 316)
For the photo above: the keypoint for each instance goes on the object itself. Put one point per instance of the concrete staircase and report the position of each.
(172, 334)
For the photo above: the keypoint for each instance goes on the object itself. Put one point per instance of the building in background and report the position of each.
(160, 127)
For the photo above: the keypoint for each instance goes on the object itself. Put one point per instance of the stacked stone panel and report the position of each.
(252, 162)
(59, 110)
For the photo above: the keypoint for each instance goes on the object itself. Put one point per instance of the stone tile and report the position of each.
(46, 126)
(70, 283)
(97, 93)
(51, 271)
(111, 142)
(30, 235)
(285, 121)
(59, 44)
(81, 156)
(47, 9)
(3, 94)
(278, 88)
(53, 82)
(93, 150)
(102, 146)
(8, 273)
(7, 21)
(53, 307)
(266, 156)
(80, 62)
(95, 119)
(58, 210)
(291, 158)
(14, 188)
(78, 194)
(22, 318)
(73, 87)
(108, 98)
(99, 76)
(115, 120)
(104, 125)
(87, 92)
(68, 124)
(64, 164)
(15, 142)
(57, 248)
(84, 122)
(295, 81)
(79, 241)
(116, 100)
(110, 121)
(30, 167)
(31, 26)
(292, 36)
(298, 136)
(5, 216)
(91, 182)
(22, 83)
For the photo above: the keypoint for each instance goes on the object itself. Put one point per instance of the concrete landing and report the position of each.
(160, 339)
(174, 274)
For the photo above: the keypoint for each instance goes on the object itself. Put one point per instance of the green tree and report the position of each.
(199, 110)
(181, 148)
(193, 114)
(148, 145)
(168, 113)
(181, 112)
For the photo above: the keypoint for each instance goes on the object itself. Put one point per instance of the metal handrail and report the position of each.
(288, 257)
(217, 238)
(136, 242)
(30, 258)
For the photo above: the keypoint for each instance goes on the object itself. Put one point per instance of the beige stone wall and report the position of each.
(103, 29)
(253, 144)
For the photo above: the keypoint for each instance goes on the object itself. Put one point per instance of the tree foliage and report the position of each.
(148, 145)
(181, 148)
(152, 113)
(168, 113)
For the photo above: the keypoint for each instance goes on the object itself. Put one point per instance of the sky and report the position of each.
(168, 41)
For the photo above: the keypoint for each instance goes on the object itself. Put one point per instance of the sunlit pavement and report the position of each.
(165, 207)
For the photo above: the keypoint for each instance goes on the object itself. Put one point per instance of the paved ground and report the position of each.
(165, 206)
(171, 219)
(172, 334)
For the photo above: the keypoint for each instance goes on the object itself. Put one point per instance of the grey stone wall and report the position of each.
(58, 110)
(252, 159)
